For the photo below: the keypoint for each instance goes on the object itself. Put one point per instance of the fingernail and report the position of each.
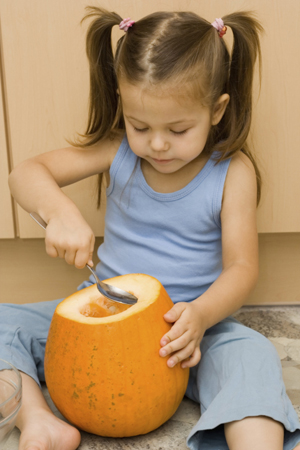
(163, 352)
(90, 263)
(171, 363)
(164, 342)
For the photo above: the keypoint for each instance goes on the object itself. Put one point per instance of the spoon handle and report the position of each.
(38, 220)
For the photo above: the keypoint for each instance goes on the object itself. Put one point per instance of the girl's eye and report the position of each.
(179, 132)
(141, 130)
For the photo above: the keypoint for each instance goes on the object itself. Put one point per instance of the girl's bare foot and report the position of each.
(40, 428)
(44, 431)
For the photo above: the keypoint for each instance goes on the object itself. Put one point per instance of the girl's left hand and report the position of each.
(183, 339)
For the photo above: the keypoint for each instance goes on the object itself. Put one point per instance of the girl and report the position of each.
(168, 121)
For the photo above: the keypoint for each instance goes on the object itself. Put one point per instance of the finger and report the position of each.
(85, 252)
(174, 313)
(90, 258)
(177, 330)
(51, 250)
(193, 360)
(61, 252)
(70, 255)
(57, 249)
(81, 258)
(181, 355)
(90, 261)
(175, 345)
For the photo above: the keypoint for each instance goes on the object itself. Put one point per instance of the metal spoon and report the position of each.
(111, 292)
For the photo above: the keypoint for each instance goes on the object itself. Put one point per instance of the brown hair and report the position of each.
(178, 48)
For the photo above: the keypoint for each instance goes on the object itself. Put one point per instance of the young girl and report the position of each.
(168, 121)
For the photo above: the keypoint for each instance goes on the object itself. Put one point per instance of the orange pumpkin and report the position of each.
(102, 366)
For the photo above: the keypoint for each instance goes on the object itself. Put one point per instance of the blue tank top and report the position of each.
(174, 237)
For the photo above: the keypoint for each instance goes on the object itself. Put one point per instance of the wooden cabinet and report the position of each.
(6, 215)
(47, 83)
(47, 91)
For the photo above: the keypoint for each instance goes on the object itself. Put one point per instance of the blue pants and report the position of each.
(239, 374)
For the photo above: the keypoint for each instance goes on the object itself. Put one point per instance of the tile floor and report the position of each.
(279, 324)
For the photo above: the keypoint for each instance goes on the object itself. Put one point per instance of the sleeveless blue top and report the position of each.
(174, 237)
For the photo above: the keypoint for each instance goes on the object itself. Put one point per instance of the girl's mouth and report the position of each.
(162, 161)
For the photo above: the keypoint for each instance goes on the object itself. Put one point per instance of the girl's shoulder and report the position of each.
(241, 173)
(104, 151)
(240, 159)
(240, 185)
(112, 144)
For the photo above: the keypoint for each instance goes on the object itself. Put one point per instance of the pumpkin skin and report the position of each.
(104, 374)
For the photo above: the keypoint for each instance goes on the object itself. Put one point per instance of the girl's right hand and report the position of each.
(71, 238)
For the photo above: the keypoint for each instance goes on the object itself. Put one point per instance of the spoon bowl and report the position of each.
(113, 292)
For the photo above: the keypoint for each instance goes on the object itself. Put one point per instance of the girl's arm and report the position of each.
(239, 244)
(36, 185)
(240, 269)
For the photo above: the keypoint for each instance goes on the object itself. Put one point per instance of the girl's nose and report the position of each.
(158, 143)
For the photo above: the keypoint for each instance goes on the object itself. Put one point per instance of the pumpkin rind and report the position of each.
(105, 375)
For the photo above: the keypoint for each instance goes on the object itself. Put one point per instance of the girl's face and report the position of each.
(167, 133)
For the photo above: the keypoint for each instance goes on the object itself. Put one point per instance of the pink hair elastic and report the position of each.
(219, 25)
(126, 23)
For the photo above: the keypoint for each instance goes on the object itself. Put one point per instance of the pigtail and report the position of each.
(103, 103)
(237, 118)
(104, 110)
(104, 116)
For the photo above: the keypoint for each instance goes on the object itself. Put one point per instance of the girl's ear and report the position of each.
(220, 108)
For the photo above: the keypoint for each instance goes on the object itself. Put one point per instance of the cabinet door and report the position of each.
(275, 129)
(6, 216)
(47, 89)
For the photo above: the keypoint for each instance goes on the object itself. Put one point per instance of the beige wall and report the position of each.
(46, 87)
